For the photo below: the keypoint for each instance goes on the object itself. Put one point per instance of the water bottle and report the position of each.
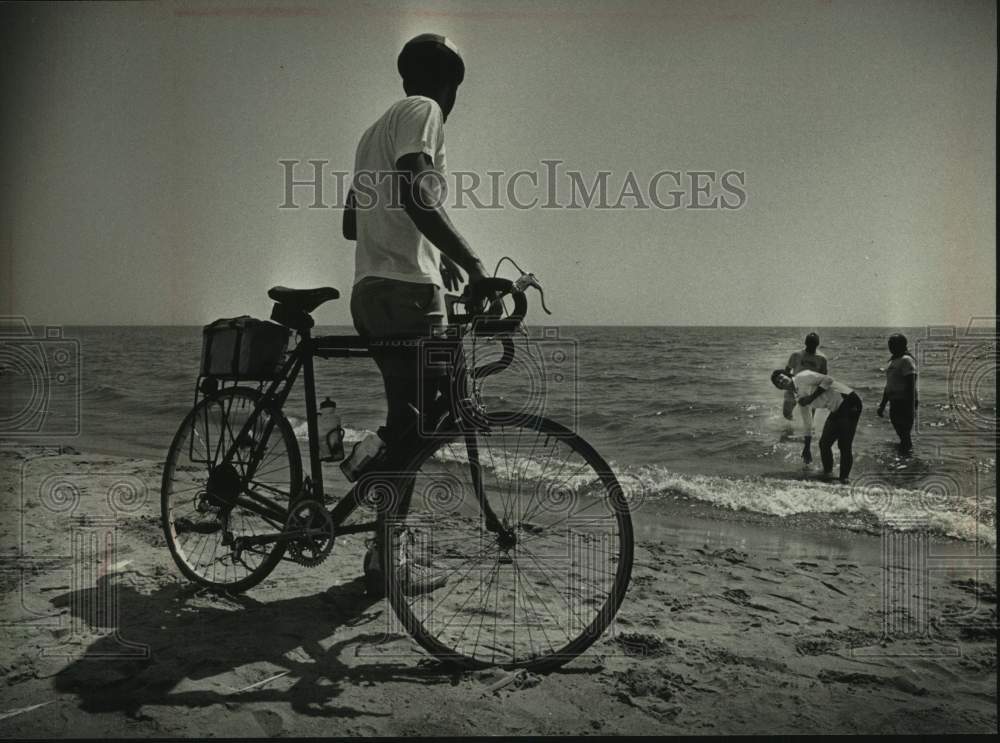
(363, 453)
(331, 434)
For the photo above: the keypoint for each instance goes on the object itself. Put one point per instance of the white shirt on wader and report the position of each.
(806, 382)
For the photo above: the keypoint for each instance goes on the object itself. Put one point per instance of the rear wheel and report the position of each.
(203, 519)
(539, 587)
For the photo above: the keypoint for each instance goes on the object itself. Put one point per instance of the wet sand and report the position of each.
(733, 624)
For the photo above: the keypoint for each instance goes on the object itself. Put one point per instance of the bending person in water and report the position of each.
(815, 390)
(808, 358)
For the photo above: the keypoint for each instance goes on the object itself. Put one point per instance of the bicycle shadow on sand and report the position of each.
(203, 650)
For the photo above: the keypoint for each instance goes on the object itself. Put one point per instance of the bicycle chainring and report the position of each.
(313, 548)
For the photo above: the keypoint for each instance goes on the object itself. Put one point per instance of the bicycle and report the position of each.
(523, 521)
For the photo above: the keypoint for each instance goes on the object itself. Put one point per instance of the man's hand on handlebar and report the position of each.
(478, 273)
(451, 274)
(485, 291)
(483, 301)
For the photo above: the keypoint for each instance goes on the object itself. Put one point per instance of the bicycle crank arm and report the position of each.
(357, 528)
(284, 536)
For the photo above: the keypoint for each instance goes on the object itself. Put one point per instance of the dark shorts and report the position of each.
(387, 308)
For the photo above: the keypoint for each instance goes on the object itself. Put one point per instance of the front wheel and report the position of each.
(211, 505)
(532, 579)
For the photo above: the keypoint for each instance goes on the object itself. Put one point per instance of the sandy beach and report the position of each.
(731, 625)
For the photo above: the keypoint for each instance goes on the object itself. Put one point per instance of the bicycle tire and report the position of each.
(435, 505)
(185, 475)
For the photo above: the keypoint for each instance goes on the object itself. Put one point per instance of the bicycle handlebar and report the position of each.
(484, 298)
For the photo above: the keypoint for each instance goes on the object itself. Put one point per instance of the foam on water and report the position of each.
(898, 507)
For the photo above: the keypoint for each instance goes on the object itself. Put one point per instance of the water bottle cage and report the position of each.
(334, 451)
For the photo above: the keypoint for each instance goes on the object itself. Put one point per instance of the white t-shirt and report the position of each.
(389, 245)
(806, 382)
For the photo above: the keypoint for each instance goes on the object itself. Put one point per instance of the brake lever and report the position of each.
(528, 279)
(541, 295)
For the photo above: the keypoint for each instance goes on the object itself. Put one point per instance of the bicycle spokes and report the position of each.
(522, 539)
(229, 479)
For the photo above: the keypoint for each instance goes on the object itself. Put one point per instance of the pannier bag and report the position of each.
(243, 348)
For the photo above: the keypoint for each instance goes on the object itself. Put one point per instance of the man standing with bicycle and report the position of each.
(408, 251)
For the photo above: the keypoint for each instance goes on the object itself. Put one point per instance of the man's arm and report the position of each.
(806, 414)
(911, 388)
(424, 208)
(885, 401)
(910, 377)
(807, 400)
(350, 224)
(792, 363)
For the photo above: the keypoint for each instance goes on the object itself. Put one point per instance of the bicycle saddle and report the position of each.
(305, 300)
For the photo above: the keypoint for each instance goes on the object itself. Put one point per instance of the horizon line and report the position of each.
(982, 320)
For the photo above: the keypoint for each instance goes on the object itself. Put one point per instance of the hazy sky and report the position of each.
(140, 149)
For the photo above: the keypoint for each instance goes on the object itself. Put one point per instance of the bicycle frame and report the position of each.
(244, 499)
(301, 359)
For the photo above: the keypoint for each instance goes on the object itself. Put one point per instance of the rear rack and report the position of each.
(340, 346)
